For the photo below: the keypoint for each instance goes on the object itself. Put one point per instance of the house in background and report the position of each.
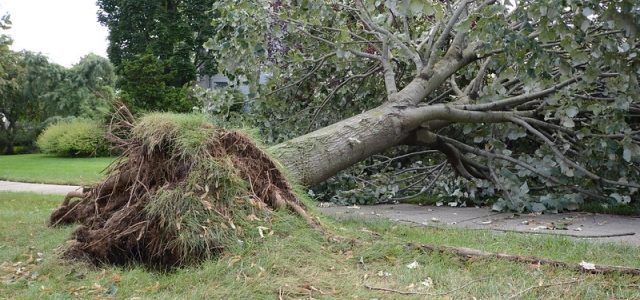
(219, 81)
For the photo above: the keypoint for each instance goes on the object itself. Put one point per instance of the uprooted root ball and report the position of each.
(182, 192)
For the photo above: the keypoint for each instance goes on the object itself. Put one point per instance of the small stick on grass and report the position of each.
(520, 293)
(424, 293)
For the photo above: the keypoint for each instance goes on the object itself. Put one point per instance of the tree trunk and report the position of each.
(318, 155)
(9, 149)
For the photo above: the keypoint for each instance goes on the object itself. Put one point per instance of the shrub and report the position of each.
(76, 138)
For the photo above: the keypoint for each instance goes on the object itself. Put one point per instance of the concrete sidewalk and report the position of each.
(9, 186)
(580, 225)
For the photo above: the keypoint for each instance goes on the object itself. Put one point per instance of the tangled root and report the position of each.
(182, 192)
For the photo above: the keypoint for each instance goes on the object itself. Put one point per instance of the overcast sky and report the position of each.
(64, 30)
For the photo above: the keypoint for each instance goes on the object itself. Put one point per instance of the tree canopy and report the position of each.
(156, 47)
(534, 103)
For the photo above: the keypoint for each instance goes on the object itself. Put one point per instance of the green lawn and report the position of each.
(42, 168)
(296, 262)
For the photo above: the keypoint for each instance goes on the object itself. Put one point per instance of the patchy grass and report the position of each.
(296, 262)
(632, 209)
(41, 168)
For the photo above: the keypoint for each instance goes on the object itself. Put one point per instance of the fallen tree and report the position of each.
(534, 103)
(531, 103)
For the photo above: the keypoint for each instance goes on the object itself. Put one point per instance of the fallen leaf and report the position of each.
(261, 230)
(207, 205)
(587, 266)
(112, 290)
(534, 266)
(98, 288)
(427, 283)
(253, 217)
(234, 260)
(383, 274)
(413, 265)
(153, 288)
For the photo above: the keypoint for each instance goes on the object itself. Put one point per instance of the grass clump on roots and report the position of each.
(182, 192)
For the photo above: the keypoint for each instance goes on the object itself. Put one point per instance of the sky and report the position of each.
(64, 30)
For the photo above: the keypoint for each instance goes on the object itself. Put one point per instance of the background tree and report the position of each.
(27, 97)
(34, 92)
(9, 71)
(156, 47)
(87, 89)
(535, 105)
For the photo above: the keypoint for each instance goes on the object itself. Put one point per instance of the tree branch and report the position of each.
(413, 54)
(561, 156)
(451, 113)
(333, 92)
(493, 155)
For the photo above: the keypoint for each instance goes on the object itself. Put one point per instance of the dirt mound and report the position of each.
(182, 192)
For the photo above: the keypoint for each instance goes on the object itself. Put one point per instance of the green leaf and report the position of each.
(572, 111)
(630, 150)
(416, 7)
(537, 207)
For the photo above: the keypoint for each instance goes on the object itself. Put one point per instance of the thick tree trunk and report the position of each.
(318, 155)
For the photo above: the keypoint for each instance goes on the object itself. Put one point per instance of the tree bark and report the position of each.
(318, 155)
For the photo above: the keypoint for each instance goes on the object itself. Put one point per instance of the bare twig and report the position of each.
(424, 293)
(518, 294)
(321, 62)
(335, 90)
(426, 188)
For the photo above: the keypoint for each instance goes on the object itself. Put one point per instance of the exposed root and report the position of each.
(182, 192)
(71, 195)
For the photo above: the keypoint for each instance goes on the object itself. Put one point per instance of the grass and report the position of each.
(41, 168)
(296, 262)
